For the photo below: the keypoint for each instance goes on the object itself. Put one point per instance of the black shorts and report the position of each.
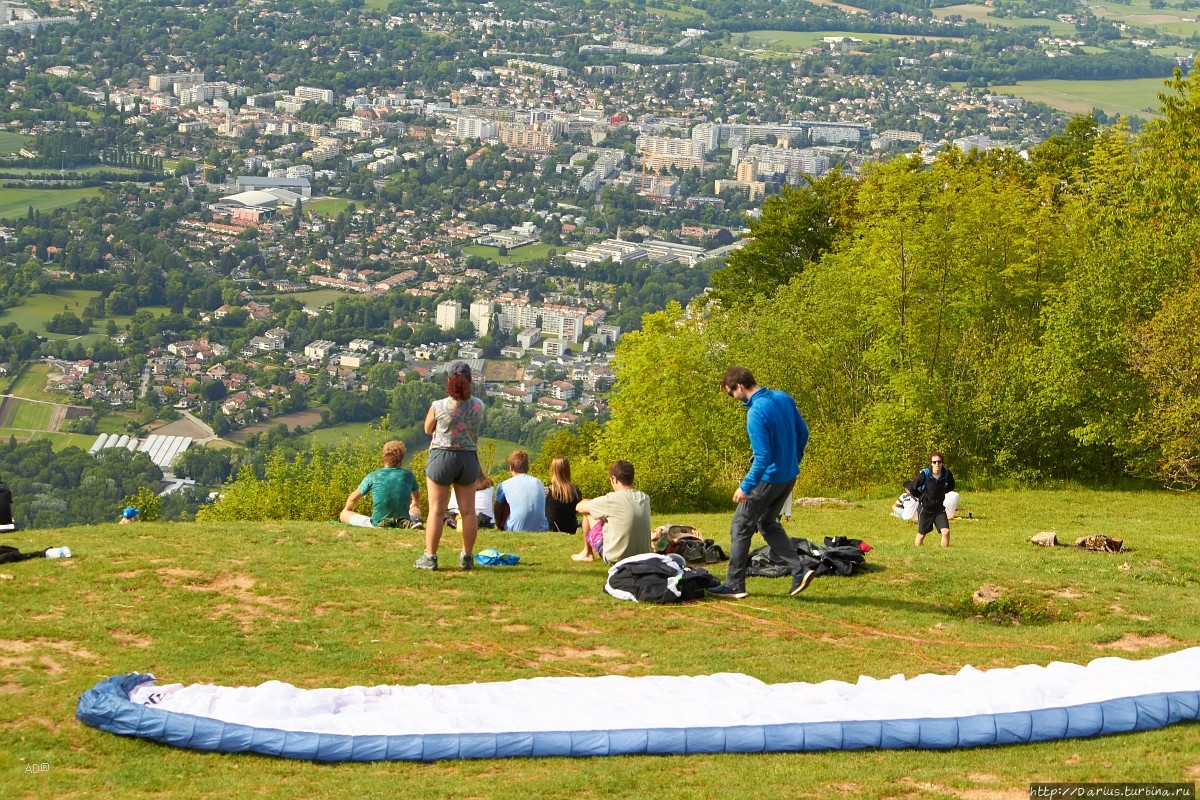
(928, 520)
(452, 467)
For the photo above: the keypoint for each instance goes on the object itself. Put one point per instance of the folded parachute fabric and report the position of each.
(576, 716)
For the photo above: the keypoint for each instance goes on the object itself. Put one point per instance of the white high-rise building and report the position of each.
(475, 128)
(448, 314)
(481, 316)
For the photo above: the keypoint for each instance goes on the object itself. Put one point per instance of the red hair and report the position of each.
(458, 386)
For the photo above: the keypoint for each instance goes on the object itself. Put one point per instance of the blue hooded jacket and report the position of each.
(778, 436)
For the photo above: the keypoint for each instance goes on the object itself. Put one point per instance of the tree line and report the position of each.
(1036, 319)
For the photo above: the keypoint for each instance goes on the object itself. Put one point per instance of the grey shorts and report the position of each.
(450, 467)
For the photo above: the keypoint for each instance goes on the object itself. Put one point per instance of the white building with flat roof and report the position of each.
(448, 314)
(481, 316)
(314, 94)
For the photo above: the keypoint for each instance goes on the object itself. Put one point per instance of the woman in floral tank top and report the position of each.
(453, 422)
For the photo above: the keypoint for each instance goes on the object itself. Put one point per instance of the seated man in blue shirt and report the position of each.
(525, 496)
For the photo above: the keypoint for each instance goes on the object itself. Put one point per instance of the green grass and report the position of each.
(1173, 51)
(793, 41)
(1135, 96)
(112, 423)
(329, 207)
(35, 311)
(1139, 13)
(31, 383)
(321, 605)
(316, 298)
(51, 171)
(493, 453)
(516, 255)
(682, 12)
(123, 320)
(979, 13)
(13, 142)
(58, 441)
(15, 203)
(32, 416)
(331, 437)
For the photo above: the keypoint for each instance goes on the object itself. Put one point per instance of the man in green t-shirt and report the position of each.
(390, 488)
(616, 525)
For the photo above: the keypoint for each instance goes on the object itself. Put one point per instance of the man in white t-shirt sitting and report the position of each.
(617, 525)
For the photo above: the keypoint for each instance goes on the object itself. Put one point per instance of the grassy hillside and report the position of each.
(318, 605)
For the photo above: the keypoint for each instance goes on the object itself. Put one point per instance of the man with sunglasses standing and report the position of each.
(778, 436)
(930, 488)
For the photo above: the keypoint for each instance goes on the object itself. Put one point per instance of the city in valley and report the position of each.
(244, 222)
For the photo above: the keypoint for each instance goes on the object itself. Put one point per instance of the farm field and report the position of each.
(794, 41)
(15, 203)
(13, 142)
(113, 423)
(31, 384)
(58, 440)
(332, 437)
(52, 172)
(315, 298)
(516, 255)
(1128, 97)
(681, 12)
(303, 419)
(1169, 18)
(34, 416)
(321, 605)
(979, 13)
(329, 207)
(34, 312)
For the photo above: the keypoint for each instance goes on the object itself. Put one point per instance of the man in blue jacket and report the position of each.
(778, 436)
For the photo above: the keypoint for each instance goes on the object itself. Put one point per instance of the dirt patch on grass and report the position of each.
(515, 628)
(177, 572)
(583, 654)
(133, 573)
(242, 603)
(1133, 642)
(577, 630)
(129, 639)
(1117, 609)
(966, 794)
(821, 502)
(28, 655)
(20, 647)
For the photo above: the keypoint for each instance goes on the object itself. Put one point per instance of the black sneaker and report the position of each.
(727, 591)
(801, 581)
(466, 561)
